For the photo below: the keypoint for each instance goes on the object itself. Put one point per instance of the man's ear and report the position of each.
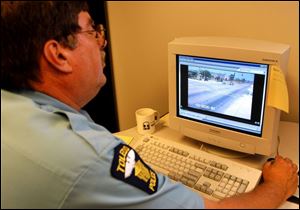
(55, 54)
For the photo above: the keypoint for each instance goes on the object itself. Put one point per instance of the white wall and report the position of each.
(140, 31)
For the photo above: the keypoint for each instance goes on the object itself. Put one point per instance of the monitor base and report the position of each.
(223, 152)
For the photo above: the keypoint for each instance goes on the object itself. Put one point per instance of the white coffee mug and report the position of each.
(146, 119)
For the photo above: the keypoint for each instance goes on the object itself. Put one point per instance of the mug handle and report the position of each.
(156, 117)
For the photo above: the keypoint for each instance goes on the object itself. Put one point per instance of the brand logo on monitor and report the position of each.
(270, 60)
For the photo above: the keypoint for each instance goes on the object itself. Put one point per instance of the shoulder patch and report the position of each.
(130, 168)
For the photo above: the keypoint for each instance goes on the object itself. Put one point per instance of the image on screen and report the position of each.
(225, 93)
(219, 91)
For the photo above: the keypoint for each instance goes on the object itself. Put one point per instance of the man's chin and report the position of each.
(102, 82)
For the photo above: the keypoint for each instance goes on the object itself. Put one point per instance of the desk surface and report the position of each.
(288, 147)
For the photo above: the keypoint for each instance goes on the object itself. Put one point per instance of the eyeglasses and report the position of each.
(97, 32)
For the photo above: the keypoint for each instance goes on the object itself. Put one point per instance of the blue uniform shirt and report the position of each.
(53, 156)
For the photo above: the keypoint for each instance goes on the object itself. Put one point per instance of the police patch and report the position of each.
(130, 168)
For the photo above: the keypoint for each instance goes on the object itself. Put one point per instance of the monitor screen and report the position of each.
(224, 93)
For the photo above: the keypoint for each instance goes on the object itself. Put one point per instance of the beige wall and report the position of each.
(140, 32)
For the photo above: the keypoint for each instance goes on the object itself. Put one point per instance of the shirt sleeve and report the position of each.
(98, 188)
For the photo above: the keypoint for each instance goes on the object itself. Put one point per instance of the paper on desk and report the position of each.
(126, 139)
(278, 92)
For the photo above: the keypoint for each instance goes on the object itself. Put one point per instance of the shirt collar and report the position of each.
(49, 102)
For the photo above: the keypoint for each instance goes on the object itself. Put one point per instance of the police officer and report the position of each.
(52, 154)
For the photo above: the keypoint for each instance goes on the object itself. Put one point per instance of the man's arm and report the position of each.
(280, 182)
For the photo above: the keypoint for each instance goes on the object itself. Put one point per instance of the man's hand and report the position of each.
(283, 173)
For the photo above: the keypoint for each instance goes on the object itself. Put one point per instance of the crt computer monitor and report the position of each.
(218, 91)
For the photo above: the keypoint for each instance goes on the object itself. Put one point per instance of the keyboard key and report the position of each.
(242, 188)
(219, 195)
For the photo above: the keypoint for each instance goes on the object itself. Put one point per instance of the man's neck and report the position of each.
(57, 93)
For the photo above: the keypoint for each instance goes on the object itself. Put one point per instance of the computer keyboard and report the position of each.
(212, 176)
